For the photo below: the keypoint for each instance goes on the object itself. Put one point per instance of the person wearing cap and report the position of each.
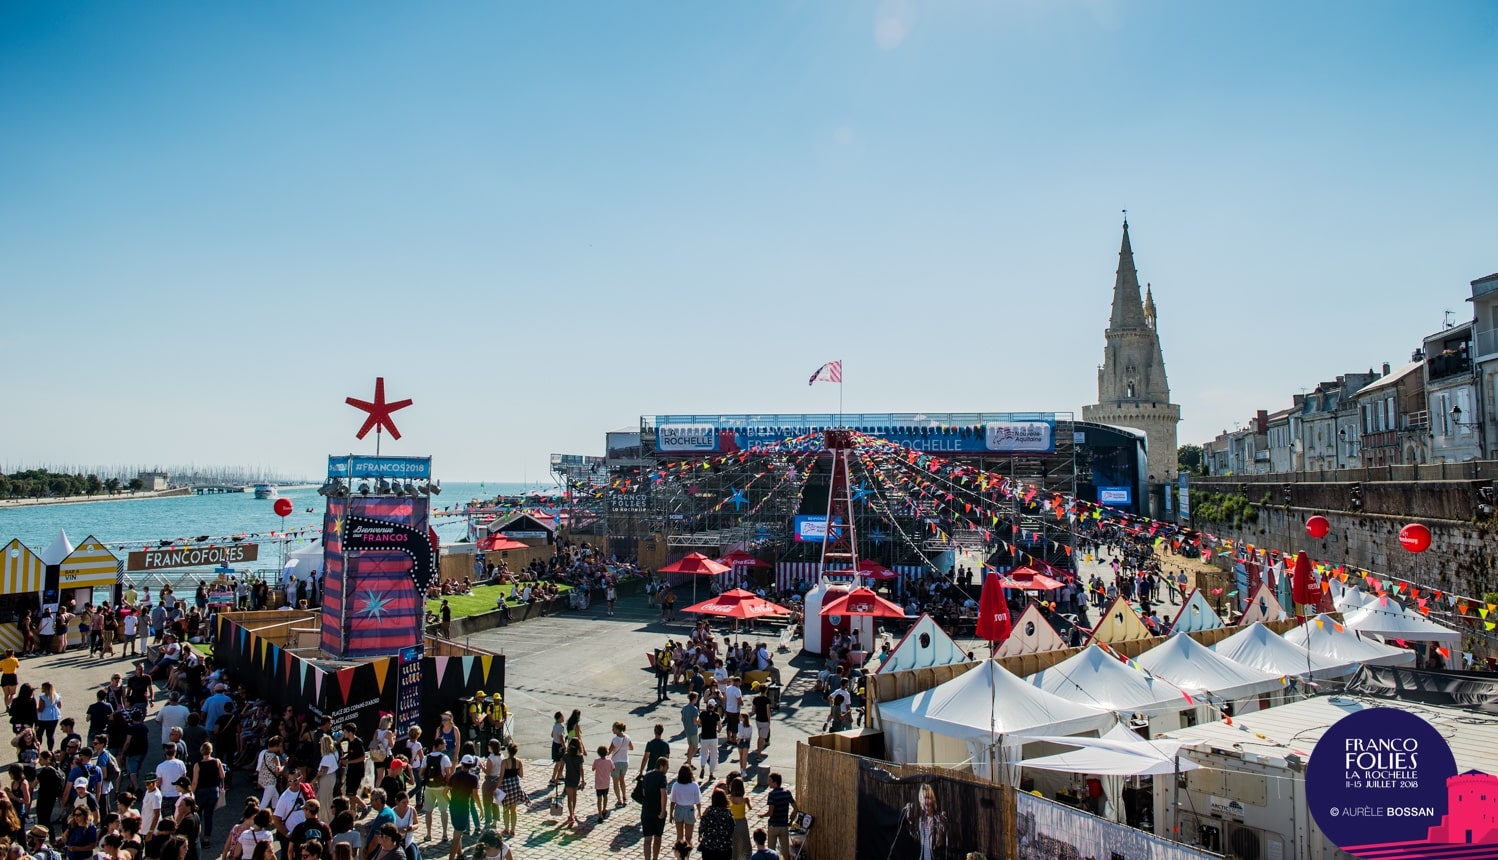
(151, 803)
(495, 719)
(478, 712)
(38, 844)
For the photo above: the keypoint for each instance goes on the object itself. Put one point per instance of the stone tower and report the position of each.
(1131, 387)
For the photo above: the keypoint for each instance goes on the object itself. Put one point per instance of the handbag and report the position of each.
(377, 754)
(638, 794)
(556, 801)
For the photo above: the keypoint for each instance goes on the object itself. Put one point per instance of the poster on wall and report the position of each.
(927, 816)
(1046, 829)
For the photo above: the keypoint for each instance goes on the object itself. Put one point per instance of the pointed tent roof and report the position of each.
(1196, 615)
(1262, 605)
(91, 565)
(1120, 623)
(1392, 621)
(989, 701)
(1032, 634)
(1128, 312)
(939, 649)
(1196, 669)
(1352, 599)
(1258, 646)
(1325, 636)
(1094, 677)
(21, 570)
(57, 551)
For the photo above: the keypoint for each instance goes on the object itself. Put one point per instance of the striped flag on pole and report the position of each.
(832, 371)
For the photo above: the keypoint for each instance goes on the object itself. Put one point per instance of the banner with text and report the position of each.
(355, 467)
(1009, 433)
(227, 555)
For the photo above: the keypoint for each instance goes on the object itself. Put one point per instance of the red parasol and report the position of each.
(993, 612)
(874, 570)
(863, 601)
(1029, 579)
(739, 558)
(696, 564)
(497, 542)
(738, 603)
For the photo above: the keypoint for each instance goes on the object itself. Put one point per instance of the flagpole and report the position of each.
(840, 401)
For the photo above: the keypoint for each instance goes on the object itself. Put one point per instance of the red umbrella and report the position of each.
(739, 558)
(497, 542)
(874, 570)
(1303, 585)
(1030, 579)
(696, 564)
(993, 611)
(863, 601)
(738, 603)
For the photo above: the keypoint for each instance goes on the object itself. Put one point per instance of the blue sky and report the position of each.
(542, 220)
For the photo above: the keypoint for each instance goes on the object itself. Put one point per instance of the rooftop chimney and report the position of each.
(1386, 368)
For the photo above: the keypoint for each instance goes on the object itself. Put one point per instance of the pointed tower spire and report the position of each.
(1128, 313)
(1149, 306)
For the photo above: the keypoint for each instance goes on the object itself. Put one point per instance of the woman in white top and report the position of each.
(327, 771)
(405, 820)
(686, 801)
(259, 831)
(382, 747)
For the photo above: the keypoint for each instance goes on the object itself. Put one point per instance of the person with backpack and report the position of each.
(435, 770)
(108, 766)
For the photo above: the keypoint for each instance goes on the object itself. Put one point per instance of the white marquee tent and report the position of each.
(1390, 620)
(974, 714)
(1259, 647)
(1194, 668)
(1032, 634)
(1325, 636)
(923, 646)
(1094, 677)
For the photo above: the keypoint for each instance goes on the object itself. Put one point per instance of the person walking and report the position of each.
(685, 798)
(619, 749)
(572, 777)
(558, 746)
(206, 786)
(48, 713)
(717, 829)
(656, 805)
(10, 670)
(514, 795)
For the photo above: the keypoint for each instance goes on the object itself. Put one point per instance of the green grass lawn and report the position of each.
(483, 599)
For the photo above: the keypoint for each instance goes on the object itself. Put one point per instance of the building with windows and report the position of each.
(1394, 423)
(1451, 396)
(1485, 359)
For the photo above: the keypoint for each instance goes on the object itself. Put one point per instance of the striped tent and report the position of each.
(90, 565)
(21, 570)
(787, 572)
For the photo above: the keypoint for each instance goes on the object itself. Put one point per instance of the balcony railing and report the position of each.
(1487, 342)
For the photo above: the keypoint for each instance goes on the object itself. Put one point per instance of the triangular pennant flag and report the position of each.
(441, 669)
(346, 680)
(317, 677)
(382, 671)
(485, 662)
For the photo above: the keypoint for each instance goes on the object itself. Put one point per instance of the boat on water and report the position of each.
(265, 491)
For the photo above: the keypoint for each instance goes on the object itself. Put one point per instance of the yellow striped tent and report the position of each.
(21, 570)
(91, 565)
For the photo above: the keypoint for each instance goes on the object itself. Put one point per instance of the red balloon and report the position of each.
(282, 507)
(1318, 526)
(1415, 537)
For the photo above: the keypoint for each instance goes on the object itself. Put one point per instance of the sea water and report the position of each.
(126, 525)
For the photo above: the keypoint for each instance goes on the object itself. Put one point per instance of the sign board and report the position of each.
(354, 467)
(1114, 495)
(686, 438)
(1185, 497)
(973, 433)
(227, 555)
(813, 529)
(1031, 437)
(628, 501)
(408, 689)
(363, 533)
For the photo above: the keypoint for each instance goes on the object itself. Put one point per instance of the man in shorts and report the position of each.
(761, 706)
(558, 737)
(653, 811)
(689, 714)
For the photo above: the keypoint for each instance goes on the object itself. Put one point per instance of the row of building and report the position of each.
(1441, 407)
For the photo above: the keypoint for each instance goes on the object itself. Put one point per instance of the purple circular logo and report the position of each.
(1379, 776)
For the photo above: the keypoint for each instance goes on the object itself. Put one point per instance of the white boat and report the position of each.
(265, 491)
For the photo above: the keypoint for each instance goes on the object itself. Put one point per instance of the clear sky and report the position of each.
(541, 220)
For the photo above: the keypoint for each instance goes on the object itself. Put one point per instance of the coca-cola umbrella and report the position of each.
(696, 564)
(863, 601)
(870, 569)
(497, 542)
(738, 603)
(739, 558)
(1029, 579)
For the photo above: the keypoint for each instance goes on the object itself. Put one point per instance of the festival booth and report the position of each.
(1032, 634)
(1259, 647)
(533, 529)
(1388, 619)
(90, 574)
(1098, 679)
(52, 558)
(1262, 607)
(21, 576)
(1120, 754)
(1326, 637)
(979, 719)
(1351, 598)
(1196, 615)
(923, 646)
(1215, 680)
(1120, 623)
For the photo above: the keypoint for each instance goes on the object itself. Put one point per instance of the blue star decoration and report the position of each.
(878, 536)
(374, 604)
(861, 492)
(738, 499)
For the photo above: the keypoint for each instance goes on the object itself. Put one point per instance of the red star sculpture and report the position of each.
(379, 411)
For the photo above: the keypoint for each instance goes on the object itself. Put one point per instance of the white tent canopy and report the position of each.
(1259, 647)
(58, 551)
(1193, 667)
(1032, 634)
(1325, 636)
(302, 563)
(1392, 621)
(1094, 677)
(1196, 614)
(1351, 598)
(963, 719)
(1120, 752)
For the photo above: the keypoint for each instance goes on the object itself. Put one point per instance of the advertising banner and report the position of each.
(927, 816)
(1185, 497)
(813, 529)
(227, 555)
(408, 689)
(997, 433)
(1047, 829)
(1120, 496)
(379, 467)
